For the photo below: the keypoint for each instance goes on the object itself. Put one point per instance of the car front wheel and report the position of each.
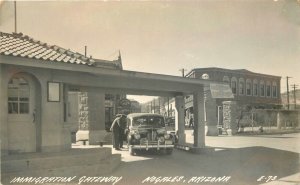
(131, 150)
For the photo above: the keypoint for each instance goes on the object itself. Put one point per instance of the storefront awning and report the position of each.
(220, 91)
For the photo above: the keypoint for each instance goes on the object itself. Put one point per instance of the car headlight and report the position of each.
(137, 136)
(167, 136)
(161, 139)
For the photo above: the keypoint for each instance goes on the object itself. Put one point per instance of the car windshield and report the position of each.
(154, 121)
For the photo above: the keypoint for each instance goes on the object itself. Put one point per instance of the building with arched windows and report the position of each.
(249, 89)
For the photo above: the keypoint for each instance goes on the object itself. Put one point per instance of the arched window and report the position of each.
(274, 90)
(241, 86)
(268, 89)
(18, 96)
(262, 88)
(226, 79)
(248, 87)
(234, 85)
(255, 88)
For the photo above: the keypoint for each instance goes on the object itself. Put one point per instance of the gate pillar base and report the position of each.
(212, 131)
(202, 150)
(196, 150)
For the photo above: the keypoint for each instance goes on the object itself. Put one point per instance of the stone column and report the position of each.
(179, 125)
(230, 116)
(199, 124)
(280, 119)
(211, 113)
(91, 117)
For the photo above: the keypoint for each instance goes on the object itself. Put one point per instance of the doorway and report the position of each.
(23, 117)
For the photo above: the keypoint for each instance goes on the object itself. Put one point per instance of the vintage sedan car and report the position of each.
(147, 131)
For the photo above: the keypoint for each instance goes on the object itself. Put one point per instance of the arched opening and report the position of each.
(24, 131)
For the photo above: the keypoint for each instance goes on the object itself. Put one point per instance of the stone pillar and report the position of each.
(91, 117)
(179, 125)
(199, 124)
(280, 119)
(229, 116)
(211, 113)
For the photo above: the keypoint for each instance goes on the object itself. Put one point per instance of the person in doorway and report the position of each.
(123, 124)
(115, 128)
(191, 124)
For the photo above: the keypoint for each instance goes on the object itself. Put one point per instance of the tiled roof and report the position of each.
(17, 44)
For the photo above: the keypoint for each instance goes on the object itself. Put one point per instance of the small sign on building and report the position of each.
(125, 103)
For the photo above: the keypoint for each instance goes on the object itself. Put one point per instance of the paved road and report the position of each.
(242, 160)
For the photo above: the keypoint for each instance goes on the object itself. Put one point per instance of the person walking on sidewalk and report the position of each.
(191, 124)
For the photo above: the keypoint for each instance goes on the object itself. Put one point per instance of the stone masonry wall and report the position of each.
(230, 114)
(83, 111)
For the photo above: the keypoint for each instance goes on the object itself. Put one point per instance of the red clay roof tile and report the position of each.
(17, 44)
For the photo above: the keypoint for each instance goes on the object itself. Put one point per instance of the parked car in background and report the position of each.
(170, 121)
(147, 131)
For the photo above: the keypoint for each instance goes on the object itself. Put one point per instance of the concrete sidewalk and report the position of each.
(290, 180)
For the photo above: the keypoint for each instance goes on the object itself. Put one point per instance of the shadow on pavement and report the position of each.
(243, 165)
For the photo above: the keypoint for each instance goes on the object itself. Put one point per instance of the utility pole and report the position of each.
(287, 92)
(158, 105)
(182, 71)
(295, 103)
(15, 4)
(168, 107)
(154, 106)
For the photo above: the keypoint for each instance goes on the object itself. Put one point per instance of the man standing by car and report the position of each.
(123, 124)
(115, 128)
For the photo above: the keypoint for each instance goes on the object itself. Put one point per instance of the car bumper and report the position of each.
(151, 146)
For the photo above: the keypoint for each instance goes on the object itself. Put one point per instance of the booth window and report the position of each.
(18, 96)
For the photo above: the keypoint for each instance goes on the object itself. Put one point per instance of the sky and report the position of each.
(163, 37)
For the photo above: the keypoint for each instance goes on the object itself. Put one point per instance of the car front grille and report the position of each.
(147, 142)
(152, 136)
